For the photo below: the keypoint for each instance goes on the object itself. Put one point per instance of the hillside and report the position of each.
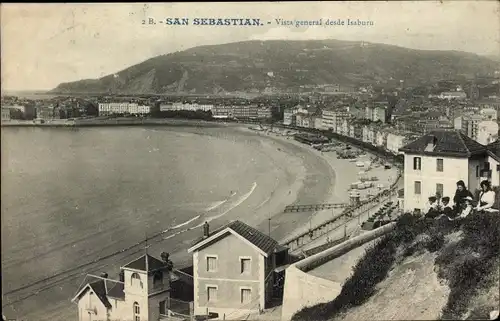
(246, 66)
(423, 271)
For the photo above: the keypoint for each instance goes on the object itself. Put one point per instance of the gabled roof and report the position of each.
(257, 239)
(98, 286)
(448, 143)
(146, 263)
(494, 149)
(117, 291)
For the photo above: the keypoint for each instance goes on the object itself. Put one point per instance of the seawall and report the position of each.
(303, 289)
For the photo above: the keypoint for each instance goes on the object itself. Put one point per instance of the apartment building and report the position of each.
(177, 106)
(435, 162)
(329, 120)
(233, 271)
(5, 114)
(395, 141)
(107, 109)
(375, 113)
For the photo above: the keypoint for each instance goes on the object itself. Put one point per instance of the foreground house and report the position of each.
(233, 271)
(141, 294)
(435, 162)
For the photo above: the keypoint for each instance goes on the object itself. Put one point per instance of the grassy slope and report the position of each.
(463, 256)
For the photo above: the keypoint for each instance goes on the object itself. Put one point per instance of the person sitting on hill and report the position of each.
(461, 193)
(468, 208)
(486, 198)
(446, 210)
(431, 210)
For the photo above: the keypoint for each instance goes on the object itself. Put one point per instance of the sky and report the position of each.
(43, 45)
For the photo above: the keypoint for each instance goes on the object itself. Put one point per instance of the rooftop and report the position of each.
(252, 235)
(146, 263)
(445, 143)
(99, 286)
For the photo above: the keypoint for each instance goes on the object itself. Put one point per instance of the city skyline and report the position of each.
(45, 45)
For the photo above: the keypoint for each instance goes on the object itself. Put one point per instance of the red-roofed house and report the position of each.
(436, 161)
(233, 271)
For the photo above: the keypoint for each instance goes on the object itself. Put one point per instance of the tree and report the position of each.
(166, 259)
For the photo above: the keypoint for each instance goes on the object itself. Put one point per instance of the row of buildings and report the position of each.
(107, 109)
(222, 111)
(369, 127)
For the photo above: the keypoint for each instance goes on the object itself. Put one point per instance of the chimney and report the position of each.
(104, 275)
(121, 276)
(206, 230)
(432, 144)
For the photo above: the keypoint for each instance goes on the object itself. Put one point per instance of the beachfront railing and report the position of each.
(346, 216)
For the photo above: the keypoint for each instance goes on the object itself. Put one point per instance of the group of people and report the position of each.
(463, 203)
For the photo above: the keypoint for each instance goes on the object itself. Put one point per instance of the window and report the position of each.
(135, 280)
(137, 312)
(211, 263)
(477, 171)
(245, 265)
(418, 188)
(439, 165)
(417, 163)
(158, 279)
(439, 189)
(211, 293)
(246, 296)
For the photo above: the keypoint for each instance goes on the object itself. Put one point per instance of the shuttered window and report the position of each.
(418, 188)
(211, 263)
(211, 294)
(439, 165)
(246, 296)
(245, 265)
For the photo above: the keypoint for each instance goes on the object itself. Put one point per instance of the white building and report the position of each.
(289, 116)
(142, 295)
(328, 118)
(489, 113)
(487, 132)
(452, 95)
(185, 106)
(381, 137)
(5, 113)
(375, 113)
(318, 123)
(106, 109)
(435, 162)
(394, 142)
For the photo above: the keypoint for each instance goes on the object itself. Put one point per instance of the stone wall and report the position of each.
(303, 289)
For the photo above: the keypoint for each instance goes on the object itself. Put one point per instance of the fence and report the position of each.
(179, 308)
(347, 215)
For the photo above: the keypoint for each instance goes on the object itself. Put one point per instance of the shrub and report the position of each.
(468, 263)
(367, 273)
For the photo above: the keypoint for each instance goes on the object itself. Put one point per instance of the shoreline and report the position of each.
(295, 172)
(282, 224)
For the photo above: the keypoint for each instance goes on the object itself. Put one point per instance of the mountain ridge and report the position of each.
(280, 65)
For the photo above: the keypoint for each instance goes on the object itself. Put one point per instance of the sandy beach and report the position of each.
(343, 173)
(294, 174)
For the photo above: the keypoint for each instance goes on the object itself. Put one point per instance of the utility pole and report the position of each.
(269, 224)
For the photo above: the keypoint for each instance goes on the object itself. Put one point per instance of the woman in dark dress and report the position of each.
(461, 193)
